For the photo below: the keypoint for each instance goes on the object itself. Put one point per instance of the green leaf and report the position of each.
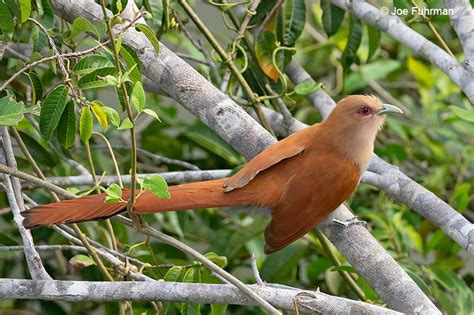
(67, 126)
(307, 87)
(264, 47)
(133, 63)
(174, 274)
(52, 109)
(280, 264)
(374, 40)
(6, 23)
(6, 240)
(218, 309)
(99, 113)
(344, 268)
(192, 275)
(420, 72)
(118, 42)
(221, 261)
(96, 79)
(118, 5)
(349, 55)
(460, 196)
(47, 15)
(374, 71)
(85, 125)
(464, 114)
(11, 112)
(332, 17)
(126, 124)
(155, 7)
(112, 115)
(14, 8)
(157, 185)
(145, 29)
(152, 113)
(293, 17)
(138, 97)
(88, 64)
(80, 261)
(25, 8)
(82, 25)
(39, 153)
(113, 192)
(206, 138)
(36, 87)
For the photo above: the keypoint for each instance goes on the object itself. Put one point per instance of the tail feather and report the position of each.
(187, 196)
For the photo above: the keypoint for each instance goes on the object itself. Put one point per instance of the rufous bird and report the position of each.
(301, 178)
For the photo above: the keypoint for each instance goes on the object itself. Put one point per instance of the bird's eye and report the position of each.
(365, 110)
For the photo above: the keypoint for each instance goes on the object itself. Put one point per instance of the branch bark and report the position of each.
(15, 199)
(393, 26)
(462, 21)
(170, 177)
(79, 291)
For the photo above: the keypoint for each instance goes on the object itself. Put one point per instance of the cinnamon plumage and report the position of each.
(301, 178)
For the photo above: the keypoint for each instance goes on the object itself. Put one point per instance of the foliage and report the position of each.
(433, 143)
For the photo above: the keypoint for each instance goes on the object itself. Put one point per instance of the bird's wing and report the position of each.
(308, 199)
(284, 149)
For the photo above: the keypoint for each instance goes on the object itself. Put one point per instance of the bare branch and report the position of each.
(393, 26)
(74, 291)
(462, 21)
(13, 189)
(170, 177)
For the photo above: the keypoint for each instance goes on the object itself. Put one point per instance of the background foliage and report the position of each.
(433, 143)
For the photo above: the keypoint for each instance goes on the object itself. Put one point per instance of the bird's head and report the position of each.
(363, 111)
(354, 123)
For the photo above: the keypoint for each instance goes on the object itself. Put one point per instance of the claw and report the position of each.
(350, 222)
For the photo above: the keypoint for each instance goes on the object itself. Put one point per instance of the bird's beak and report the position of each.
(387, 109)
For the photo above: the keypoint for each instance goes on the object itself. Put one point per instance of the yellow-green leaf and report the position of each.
(420, 72)
(266, 44)
(85, 125)
(99, 113)
(145, 29)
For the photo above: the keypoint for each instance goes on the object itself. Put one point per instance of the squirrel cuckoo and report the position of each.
(302, 178)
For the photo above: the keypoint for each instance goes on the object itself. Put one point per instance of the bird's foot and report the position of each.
(352, 221)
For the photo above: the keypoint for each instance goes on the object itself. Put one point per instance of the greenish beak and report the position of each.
(387, 109)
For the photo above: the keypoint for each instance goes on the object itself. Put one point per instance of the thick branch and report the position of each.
(79, 291)
(393, 26)
(462, 21)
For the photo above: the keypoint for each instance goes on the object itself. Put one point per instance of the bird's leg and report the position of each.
(347, 223)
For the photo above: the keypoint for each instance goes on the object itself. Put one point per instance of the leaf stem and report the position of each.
(133, 140)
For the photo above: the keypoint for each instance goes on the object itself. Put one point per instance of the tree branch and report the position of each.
(79, 291)
(462, 21)
(393, 26)
(13, 190)
(170, 177)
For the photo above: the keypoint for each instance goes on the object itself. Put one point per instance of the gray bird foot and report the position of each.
(348, 223)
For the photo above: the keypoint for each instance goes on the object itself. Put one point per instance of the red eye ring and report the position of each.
(365, 110)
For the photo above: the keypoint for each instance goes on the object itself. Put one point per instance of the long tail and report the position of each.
(187, 196)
